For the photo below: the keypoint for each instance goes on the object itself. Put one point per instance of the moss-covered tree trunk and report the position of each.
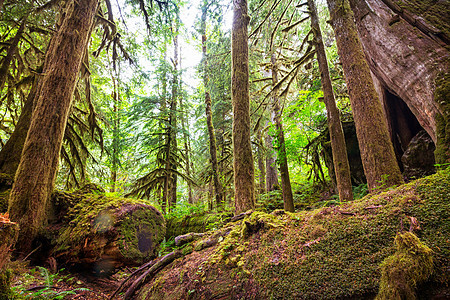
(286, 188)
(242, 151)
(35, 177)
(8, 237)
(406, 43)
(271, 164)
(209, 123)
(261, 165)
(377, 152)
(339, 150)
(173, 146)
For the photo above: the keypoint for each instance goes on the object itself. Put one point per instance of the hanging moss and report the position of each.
(409, 266)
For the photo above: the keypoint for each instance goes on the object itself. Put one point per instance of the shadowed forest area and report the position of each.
(210, 149)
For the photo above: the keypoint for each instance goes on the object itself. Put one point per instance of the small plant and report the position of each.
(48, 290)
(360, 191)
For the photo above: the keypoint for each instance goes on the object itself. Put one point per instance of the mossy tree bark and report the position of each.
(261, 165)
(339, 150)
(35, 177)
(286, 188)
(417, 32)
(271, 164)
(242, 151)
(218, 189)
(377, 152)
(173, 146)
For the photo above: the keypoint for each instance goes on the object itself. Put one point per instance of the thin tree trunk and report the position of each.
(242, 150)
(286, 188)
(35, 177)
(115, 141)
(339, 150)
(261, 165)
(377, 152)
(212, 137)
(271, 163)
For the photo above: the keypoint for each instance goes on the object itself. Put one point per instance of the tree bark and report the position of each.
(35, 177)
(415, 74)
(377, 152)
(339, 150)
(286, 188)
(261, 165)
(212, 137)
(242, 150)
(271, 164)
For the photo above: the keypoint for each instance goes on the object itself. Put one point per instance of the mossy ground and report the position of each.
(328, 253)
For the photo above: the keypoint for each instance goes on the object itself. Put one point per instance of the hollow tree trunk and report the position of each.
(411, 59)
(212, 137)
(35, 177)
(286, 188)
(242, 150)
(377, 152)
(339, 150)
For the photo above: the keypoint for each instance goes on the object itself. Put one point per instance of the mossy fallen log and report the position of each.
(100, 232)
(320, 254)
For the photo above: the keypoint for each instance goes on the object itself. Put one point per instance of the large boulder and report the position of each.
(100, 232)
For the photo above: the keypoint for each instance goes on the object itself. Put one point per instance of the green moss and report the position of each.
(442, 98)
(409, 266)
(321, 254)
(4, 196)
(140, 227)
(5, 285)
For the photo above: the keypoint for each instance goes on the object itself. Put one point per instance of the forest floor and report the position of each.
(35, 282)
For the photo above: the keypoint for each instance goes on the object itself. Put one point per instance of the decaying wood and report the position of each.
(150, 273)
(186, 238)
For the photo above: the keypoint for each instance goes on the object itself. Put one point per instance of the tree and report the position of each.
(35, 177)
(377, 152)
(242, 151)
(286, 188)
(339, 150)
(212, 137)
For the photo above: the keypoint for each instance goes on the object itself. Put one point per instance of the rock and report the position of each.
(103, 233)
(418, 159)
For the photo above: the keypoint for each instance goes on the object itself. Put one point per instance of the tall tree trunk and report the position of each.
(173, 124)
(212, 136)
(242, 150)
(35, 177)
(339, 150)
(186, 134)
(271, 163)
(377, 152)
(116, 124)
(286, 188)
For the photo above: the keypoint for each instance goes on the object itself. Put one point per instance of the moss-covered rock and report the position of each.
(105, 232)
(328, 253)
(409, 266)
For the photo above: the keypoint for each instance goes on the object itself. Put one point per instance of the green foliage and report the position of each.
(49, 289)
